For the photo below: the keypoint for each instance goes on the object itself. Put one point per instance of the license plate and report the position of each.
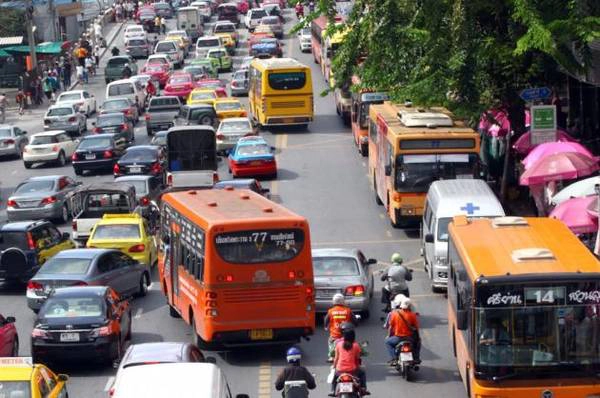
(325, 293)
(255, 163)
(406, 356)
(261, 334)
(69, 337)
(90, 156)
(287, 120)
(28, 204)
(135, 169)
(345, 387)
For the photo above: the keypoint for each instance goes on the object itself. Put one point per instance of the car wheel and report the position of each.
(64, 214)
(15, 349)
(206, 120)
(143, 288)
(128, 335)
(61, 160)
(78, 172)
(27, 165)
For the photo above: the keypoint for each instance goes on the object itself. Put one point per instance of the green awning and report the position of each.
(4, 54)
(49, 47)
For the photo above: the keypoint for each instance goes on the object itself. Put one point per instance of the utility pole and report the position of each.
(53, 19)
(30, 37)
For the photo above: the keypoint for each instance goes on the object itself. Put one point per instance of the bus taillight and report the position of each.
(224, 278)
(211, 312)
(210, 295)
(210, 303)
(291, 274)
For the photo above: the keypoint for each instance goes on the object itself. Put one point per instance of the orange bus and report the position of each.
(523, 301)
(359, 114)
(409, 148)
(236, 267)
(317, 27)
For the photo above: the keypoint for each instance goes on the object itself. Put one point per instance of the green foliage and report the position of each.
(12, 22)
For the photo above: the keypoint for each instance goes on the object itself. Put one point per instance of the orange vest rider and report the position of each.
(337, 315)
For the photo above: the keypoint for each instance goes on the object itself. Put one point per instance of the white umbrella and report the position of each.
(577, 189)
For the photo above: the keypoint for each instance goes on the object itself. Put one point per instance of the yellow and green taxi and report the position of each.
(222, 57)
(228, 42)
(229, 107)
(20, 377)
(202, 96)
(211, 64)
(128, 233)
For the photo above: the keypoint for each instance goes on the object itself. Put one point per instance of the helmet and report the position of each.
(126, 66)
(398, 300)
(338, 299)
(347, 330)
(405, 304)
(293, 355)
(396, 258)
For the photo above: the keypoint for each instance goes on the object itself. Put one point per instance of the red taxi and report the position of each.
(158, 72)
(179, 85)
(213, 84)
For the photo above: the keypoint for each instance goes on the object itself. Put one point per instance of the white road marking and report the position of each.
(14, 172)
(109, 383)
(138, 313)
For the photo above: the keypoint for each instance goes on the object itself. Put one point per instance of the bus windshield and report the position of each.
(414, 173)
(260, 246)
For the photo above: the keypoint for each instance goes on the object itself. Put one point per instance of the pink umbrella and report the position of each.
(552, 148)
(574, 213)
(560, 166)
(523, 144)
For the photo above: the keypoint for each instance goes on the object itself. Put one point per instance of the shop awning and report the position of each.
(4, 54)
(49, 47)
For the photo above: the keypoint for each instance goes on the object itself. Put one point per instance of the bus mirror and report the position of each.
(388, 170)
(461, 319)
(429, 238)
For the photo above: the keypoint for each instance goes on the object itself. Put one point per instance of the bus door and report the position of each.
(174, 261)
(383, 166)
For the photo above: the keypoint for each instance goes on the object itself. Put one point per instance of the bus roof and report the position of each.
(410, 119)
(228, 206)
(517, 247)
(276, 63)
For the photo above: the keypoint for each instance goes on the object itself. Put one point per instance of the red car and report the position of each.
(242, 6)
(213, 84)
(158, 72)
(179, 85)
(9, 341)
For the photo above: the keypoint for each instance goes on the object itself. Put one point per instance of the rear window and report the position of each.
(140, 155)
(224, 28)
(166, 47)
(136, 42)
(164, 101)
(254, 150)
(120, 89)
(60, 111)
(44, 139)
(257, 14)
(34, 186)
(157, 60)
(179, 79)
(203, 96)
(16, 239)
(260, 246)
(208, 43)
(94, 143)
(235, 126)
(287, 80)
(117, 231)
(111, 120)
(62, 265)
(228, 106)
(118, 61)
(120, 104)
(10, 389)
(98, 204)
(72, 307)
(139, 185)
(335, 266)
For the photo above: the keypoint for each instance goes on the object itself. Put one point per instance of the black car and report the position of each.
(85, 323)
(141, 160)
(243, 183)
(25, 246)
(115, 123)
(97, 152)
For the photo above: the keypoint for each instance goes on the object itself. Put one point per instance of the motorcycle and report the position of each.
(347, 386)
(295, 389)
(386, 298)
(405, 363)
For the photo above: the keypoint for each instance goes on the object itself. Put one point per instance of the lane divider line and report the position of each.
(264, 379)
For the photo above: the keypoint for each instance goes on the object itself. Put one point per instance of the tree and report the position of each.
(12, 22)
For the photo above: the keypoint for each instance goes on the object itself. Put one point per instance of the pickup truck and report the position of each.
(161, 113)
(115, 65)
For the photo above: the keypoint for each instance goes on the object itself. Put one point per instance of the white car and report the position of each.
(172, 49)
(134, 32)
(304, 39)
(252, 19)
(81, 99)
(50, 146)
(204, 9)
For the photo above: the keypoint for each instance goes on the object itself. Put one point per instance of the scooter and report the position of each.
(405, 363)
(347, 386)
(295, 389)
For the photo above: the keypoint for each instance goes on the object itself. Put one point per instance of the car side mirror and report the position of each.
(388, 170)
(461, 319)
(11, 319)
(429, 238)
(62, 377)
(372, 261)
(66, 236)
(210, 360)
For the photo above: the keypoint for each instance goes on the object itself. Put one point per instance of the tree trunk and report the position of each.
(516, 115)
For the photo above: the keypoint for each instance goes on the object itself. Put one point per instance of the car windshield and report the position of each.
(35, 186)
(235, 126)
(5, 133)
(305, 32)
(414, 173)
(166, 47)
(225, 28)
(204, 96)
(335, 266)
(62, 265)
(140, 155)
(254, 149)
(69, 97)
(73, 307)
(43, 140)
(119, 104)
(208, 43)
(13, 239)
(257, 14)
(60, 111)
(159, 140)
(228, 106)
(112, 120)
(94, 142)
(139, 185)
(10, 389)
(120, 89)
(117, 231)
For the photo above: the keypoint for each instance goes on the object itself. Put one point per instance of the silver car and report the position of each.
(12, 140)
(239, 83)
(38, 198)
(231, 129)
(345, 271)
(65, 117)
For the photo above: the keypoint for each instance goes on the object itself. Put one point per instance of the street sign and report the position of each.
(535, 94)
(543, 124)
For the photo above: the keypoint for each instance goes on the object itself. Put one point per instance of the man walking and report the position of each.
(3, 105)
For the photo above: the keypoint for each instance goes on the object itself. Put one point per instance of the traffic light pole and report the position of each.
(30, 37)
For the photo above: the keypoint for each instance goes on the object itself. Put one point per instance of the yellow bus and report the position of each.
(280, 92)
(409, 148)
(523, 301)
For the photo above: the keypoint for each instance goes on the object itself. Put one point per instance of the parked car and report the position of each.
(90, 323)
(138, 48)
(252, 156)
(12, 140)
(179, 85)
(161, 113)
(163, 10)
(115, 123)
(97, 152)
(225, 63)
(9, 339)
(253, 17)
(158, 71)
(81, 99)
(115, 65)
(41, 197)
(275, 24)
(345, 271)
(26, 245)
(123, 105)
(172, 49)
(147, 188)
(243, 183)
(88, 267)
(305, 39)
(65, 117)
(231, 130)
(239, 83)
(50, 146)
(141, 159)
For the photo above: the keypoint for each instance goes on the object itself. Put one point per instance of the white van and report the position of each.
(181, 380)
(206, 43)
(446, 199)
(127, 88)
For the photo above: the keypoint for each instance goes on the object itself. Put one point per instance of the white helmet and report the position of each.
(405, 304)
(398, 300)
(338, 299)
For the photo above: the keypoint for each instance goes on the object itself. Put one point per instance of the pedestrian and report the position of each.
(3, 105)
(97, 55)
(67, 74)
(80, 72)
(47, 86)
(90, 66)
(119, 12)
(81, 55)
(39, 93)
(157, 24)
(163, 25)
(20, 100)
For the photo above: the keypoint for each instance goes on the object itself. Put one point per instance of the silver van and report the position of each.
(446, 199)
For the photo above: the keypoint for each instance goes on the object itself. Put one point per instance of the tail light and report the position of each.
(291, 274)
(137, 248)
(147, 117)
(145, 201)
(108, 154)
(97, 130)
(244, 113)
(9, 142)
(169, 179)
(30, 242)
(116, 169)
(49, 200)
(11, 203)
(124, 126)
(156, 168)
(405, 347)
(128, 112)
(74, 156)
(358, 290)
(346, 378)
(74, 225)
(32, 285)
(40, 333)
(54, 148)
(220, 136)
(72, 119)
(101, 331)
(224, 278)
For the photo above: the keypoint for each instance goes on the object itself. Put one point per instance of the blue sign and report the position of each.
(470, 208)
(535, 93)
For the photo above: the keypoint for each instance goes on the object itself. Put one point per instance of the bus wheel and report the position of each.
(454, 341)
(364, 150)
(173, 312)
(468, 382)
(377, 199)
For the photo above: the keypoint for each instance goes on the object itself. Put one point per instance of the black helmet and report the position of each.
(347, 330)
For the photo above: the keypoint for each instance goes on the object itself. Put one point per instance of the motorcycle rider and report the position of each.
(294, 371)
(403, 325)
(335, 317)
(347, 360)
(396, 276)
(127, 72)
(299, 10)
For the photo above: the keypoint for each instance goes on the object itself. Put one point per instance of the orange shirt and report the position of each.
(337, 315)
(347, 361)
(399, 327)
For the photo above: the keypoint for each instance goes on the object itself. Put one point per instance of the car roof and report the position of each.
(235, 119)
(57, 106)
(75, 291)
(449, 198)
(197, 106)
(83, 253)
(72, 92)
(111, 114)
(228, 99)
(334, 252)
(91, 137)
(52, 177)
(134, 178)
(212, 37)
(156, 352)
(19, 226)
(120, 81)
(48, 133)
(251, 140)
(110, 99)
(112, 219)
